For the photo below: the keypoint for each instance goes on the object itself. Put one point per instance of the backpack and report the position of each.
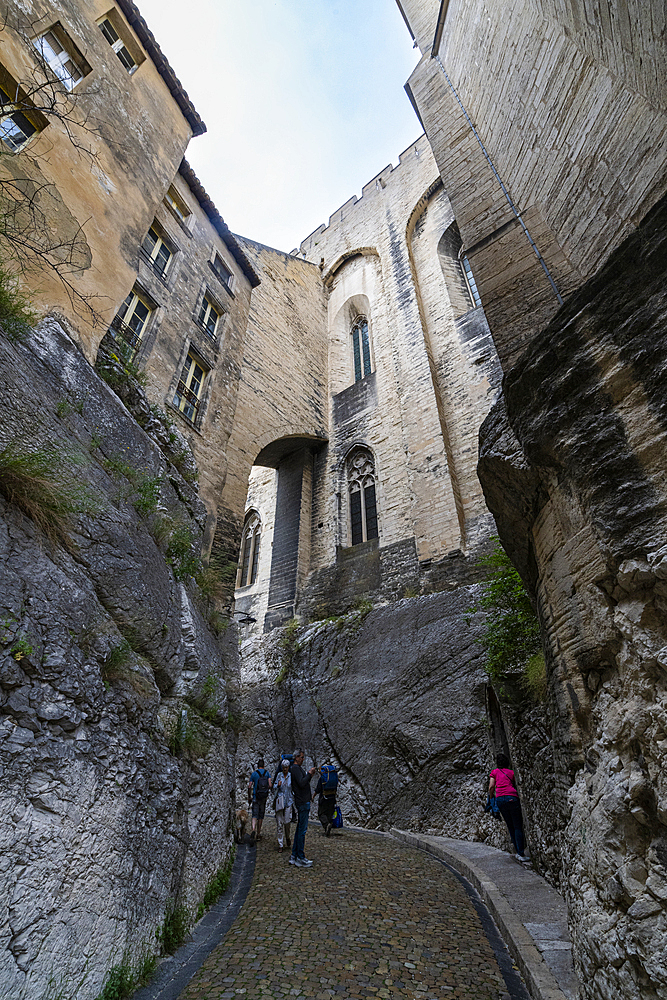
(329, 776)
(262, 786)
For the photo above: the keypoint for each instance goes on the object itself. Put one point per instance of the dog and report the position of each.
(240, 825)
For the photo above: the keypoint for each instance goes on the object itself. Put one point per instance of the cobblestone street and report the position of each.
(371, 918)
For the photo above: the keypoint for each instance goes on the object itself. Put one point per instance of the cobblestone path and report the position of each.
(371, 918)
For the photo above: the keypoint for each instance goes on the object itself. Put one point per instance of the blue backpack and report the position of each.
(329, 776)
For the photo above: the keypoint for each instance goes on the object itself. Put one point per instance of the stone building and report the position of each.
(332, 399)
(77, 79)
(390, 504)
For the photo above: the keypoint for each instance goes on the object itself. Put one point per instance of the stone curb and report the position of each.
(537, 974)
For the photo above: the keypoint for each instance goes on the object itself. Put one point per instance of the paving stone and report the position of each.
(371, 918)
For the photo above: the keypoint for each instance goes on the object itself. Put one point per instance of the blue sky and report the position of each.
(303, 100)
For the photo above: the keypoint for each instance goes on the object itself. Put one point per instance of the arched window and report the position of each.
(363, 505)
(457, 272)
(249, 556)
(361, 348)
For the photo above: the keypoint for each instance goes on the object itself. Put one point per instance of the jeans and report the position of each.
(510, 810)
(299, 842)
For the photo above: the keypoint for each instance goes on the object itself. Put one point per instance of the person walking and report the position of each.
(301, 791)
(283, 803)
(503, 786)
(326, 789)
(259, 785)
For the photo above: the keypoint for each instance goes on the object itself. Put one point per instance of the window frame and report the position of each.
(226, 281)
(469, 279)
(177, 206)
(362, 518)
(209, 304)
(151, 256)
(69, 52)
(362, 362)
(129, 333)
(184, 396)
(18, 107)
(124, 40)
(251, 539)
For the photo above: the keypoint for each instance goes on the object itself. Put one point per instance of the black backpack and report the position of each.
(262, 786)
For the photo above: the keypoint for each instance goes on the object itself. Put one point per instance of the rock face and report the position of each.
(573, 467)
(116, 793)
(395, 698)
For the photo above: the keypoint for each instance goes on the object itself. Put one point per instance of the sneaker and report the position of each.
(303, 863)
(292, 859)
(327, 829)
(522, 857)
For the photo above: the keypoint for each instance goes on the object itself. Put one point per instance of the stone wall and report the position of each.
(576, 138)
(572, 464)
(395, 697)
(107, 662)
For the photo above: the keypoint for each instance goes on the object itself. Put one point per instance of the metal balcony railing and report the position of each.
(127, 333)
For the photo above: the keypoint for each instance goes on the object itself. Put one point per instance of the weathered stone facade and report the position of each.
(427, 382)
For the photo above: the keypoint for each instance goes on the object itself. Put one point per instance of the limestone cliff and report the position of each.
(573, 467)
(395, 697)
(116, 763)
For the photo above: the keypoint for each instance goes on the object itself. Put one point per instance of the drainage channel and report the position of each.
(174, 973)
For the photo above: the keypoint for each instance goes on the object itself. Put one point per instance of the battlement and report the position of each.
(370, 190)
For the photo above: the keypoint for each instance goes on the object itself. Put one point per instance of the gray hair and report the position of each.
(299, 750)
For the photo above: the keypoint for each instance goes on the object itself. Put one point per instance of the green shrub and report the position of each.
(119, 983)
(217, 885)
(38, 484)
(181, 553)
(16, 316)
(535, 677)
(21, 647)
(147, 495)
(175, 928)
(512, 632)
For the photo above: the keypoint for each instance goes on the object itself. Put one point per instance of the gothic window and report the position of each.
(361, 348)
(249, 556)
(461, 285)
(361, 489)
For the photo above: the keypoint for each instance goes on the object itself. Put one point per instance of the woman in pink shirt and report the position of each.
(501, 784)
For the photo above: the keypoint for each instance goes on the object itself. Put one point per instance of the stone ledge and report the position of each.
(539, 978)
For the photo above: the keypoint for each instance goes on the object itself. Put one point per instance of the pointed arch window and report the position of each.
(362, 497)
(249, 556)
(361, 348)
